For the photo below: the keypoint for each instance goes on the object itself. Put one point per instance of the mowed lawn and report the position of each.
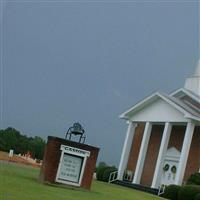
(19, 182)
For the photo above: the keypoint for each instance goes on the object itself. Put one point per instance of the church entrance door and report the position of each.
(170, 166)
(169, 172)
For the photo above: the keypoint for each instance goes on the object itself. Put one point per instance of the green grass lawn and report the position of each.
(19, 182)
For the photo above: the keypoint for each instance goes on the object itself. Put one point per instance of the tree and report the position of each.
(11, 138)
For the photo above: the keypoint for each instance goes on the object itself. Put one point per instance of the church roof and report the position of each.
(183, 91)
(188, 104)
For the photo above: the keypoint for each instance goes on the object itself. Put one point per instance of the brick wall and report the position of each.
(134, 152)
(176, 137)
(52, 157)
(152, 154)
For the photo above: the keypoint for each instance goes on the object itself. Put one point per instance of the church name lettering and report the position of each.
(75, 150)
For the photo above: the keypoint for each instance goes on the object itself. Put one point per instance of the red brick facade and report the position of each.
(176, 140)
(176, 137)
(151, 156)
(135, 148)
(52, 157)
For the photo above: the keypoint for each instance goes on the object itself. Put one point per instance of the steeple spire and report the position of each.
(192, 83)
(197, 71)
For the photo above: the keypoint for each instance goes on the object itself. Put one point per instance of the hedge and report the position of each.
(197, 197)
(103, 173)
(171, 192)
(100, 173)
(188, 192)
(107, 173)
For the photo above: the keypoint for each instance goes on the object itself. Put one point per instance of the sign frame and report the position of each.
(72, 151)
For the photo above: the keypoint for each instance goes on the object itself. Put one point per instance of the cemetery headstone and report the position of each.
(11, 152)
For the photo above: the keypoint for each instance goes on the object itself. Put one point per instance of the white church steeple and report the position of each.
(192, 83)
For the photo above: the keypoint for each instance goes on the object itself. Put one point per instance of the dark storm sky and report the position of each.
(88, 61)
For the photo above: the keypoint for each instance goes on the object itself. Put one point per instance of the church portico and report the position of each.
(162, 145)
(150, 156)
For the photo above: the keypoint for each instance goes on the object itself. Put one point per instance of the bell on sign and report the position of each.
(76, 129)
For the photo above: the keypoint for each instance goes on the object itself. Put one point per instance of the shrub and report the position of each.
(197, 197)
(100, 165)
(188, 192)
(100, 173)
(194, 179)
(107, 172)
(171, 192)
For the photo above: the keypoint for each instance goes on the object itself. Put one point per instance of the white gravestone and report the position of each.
(11, 152)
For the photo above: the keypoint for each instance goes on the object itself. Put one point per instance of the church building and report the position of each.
(162, 143)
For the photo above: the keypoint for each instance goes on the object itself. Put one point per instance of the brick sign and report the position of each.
(68, 162)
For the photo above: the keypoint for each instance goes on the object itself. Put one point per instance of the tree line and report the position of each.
(11, 138)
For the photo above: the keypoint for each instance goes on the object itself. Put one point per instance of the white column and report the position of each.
(126, 149)
(142, 153)
(184, 153)
(161, 155)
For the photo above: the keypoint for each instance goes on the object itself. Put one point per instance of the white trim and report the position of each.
(172, 94)
(72, 151)
(184, 153)
(162, 151)
(126, 149)
(142, 153)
